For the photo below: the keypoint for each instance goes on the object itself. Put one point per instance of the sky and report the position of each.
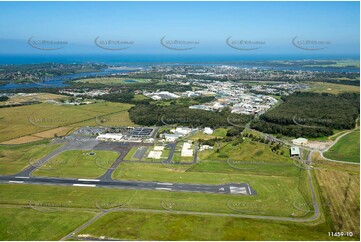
(267, 27)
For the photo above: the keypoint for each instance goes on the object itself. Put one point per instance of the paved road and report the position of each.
(139, 154)
(72, 145)
(86, 144)
(315, 204)
(236, 189)
(107, 176)
(195, 156)
(336, 140)
(172, 147)
(83, 226)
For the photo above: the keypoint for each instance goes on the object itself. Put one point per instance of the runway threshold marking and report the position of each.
(249, 190)
(164, 183)
(16, 181)
(163, 188)
(84, 185)
(92, 180)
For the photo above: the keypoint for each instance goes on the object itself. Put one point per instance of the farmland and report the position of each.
(324, 87)
(32, 121)
(339, 184)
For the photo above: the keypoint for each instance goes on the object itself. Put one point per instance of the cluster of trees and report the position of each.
(291, 130)
(121, 98)
(275, 146)
(152, 114)
(4, 98)
(210, 142)
(311, 115)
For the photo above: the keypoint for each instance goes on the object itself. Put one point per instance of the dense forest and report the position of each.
(311, 115)
(152, 114)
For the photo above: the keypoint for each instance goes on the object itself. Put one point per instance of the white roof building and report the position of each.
(295, 151)
(300, 141)
(158, 148)
(183, 130)
(110, 136)
(187, 150)
(171, 137)
(154, 154)
(205, 147)
(208, 130)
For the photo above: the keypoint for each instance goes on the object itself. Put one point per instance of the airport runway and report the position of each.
(236, 189)
(106, 181)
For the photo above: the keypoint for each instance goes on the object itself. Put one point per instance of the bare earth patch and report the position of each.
(21, 140)
(319, 145)
(57, 131)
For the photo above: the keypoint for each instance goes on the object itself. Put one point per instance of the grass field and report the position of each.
(278, 204)
(78, 164)
(140, 97)
(274, 191)
(340, 188)
(145, 226)
(346, 149)
(18, 223)
(33, 97)
(255, 168)
(220, 132)
(130, 154)
(52, 198)
(323, 87)
(246, 151)
(177, 158)
(13, 159)
(341, 192)
(339, 63)
(35, 119)
(249, 157)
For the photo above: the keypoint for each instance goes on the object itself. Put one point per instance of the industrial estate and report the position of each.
(192, 136)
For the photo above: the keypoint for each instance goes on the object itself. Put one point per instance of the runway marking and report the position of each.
(84, 185)
(249, 190)
(166, 184)
(238, 190)
(93, 180)
(163, 188)
(16, 181)
(22, 177)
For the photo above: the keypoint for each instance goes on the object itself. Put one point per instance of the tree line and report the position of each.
(311, 114)
(152, 114)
